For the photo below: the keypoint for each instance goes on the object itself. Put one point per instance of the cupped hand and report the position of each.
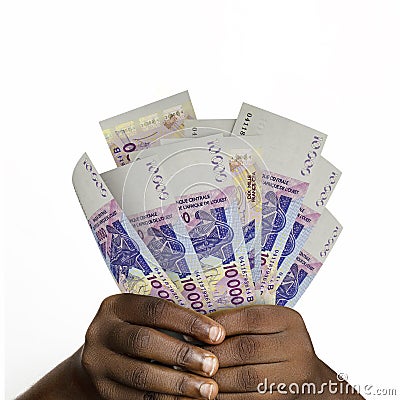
(263, 344)
(127, 357)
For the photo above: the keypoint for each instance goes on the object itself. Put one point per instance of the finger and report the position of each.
(111, 390)
(143, 342)
(146, 376)
(248, 378)
(158, 313)
(252, 349)
(261, 319)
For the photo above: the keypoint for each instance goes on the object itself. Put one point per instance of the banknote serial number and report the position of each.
(245, 125)
(95, 178)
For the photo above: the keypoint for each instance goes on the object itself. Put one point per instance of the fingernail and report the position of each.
(210, 365)
(207, 390)
(215, 333)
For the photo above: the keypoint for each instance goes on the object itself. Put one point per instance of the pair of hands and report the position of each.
(126, 356)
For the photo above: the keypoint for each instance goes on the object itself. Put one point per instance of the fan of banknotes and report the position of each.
(211, 214)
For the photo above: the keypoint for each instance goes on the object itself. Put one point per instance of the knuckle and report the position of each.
(89, 360)
(238, 396)
(193, 324)
(253, 396)
(251, 317)
(303, 372)
(105, 390)
(138, 377)
(115, 334)
(160, 396)
(294, 317)
(308, 375)
(182, 384)
(247, 378)
(184, 355)
(155, 309)
(149, 396)
(86, 361)
(243, 396)
(138, 340)
(275, 342)
(244, 349)
(108, 303)
(276, 313)
(303, 350)
(92, 333)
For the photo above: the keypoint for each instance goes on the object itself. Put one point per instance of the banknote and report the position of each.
(132, 265)
(309, 260)
(143, 127)
(199, 176)
(205, 127)
(323, 181)
(247, 180)
(283, 189)
(246, 177)
(256, 121)
(291, 151)
(141, 190)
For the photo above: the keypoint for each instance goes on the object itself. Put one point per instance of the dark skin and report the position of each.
(229, 354)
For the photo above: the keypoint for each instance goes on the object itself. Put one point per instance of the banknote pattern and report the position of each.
(247, 179)
(212, 221)
(144, 196)
(282, 198)
(165, 236)
(309, 261)
(324, 181)
(199, 176)
(211, 214)
(141, 128)
(132, 272)
(133, 267)
(306, 219)
(292, 152)
(299, 277)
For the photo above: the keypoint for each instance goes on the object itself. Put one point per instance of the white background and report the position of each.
(332, 65)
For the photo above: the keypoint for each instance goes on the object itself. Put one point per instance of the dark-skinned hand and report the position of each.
(126, 355)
